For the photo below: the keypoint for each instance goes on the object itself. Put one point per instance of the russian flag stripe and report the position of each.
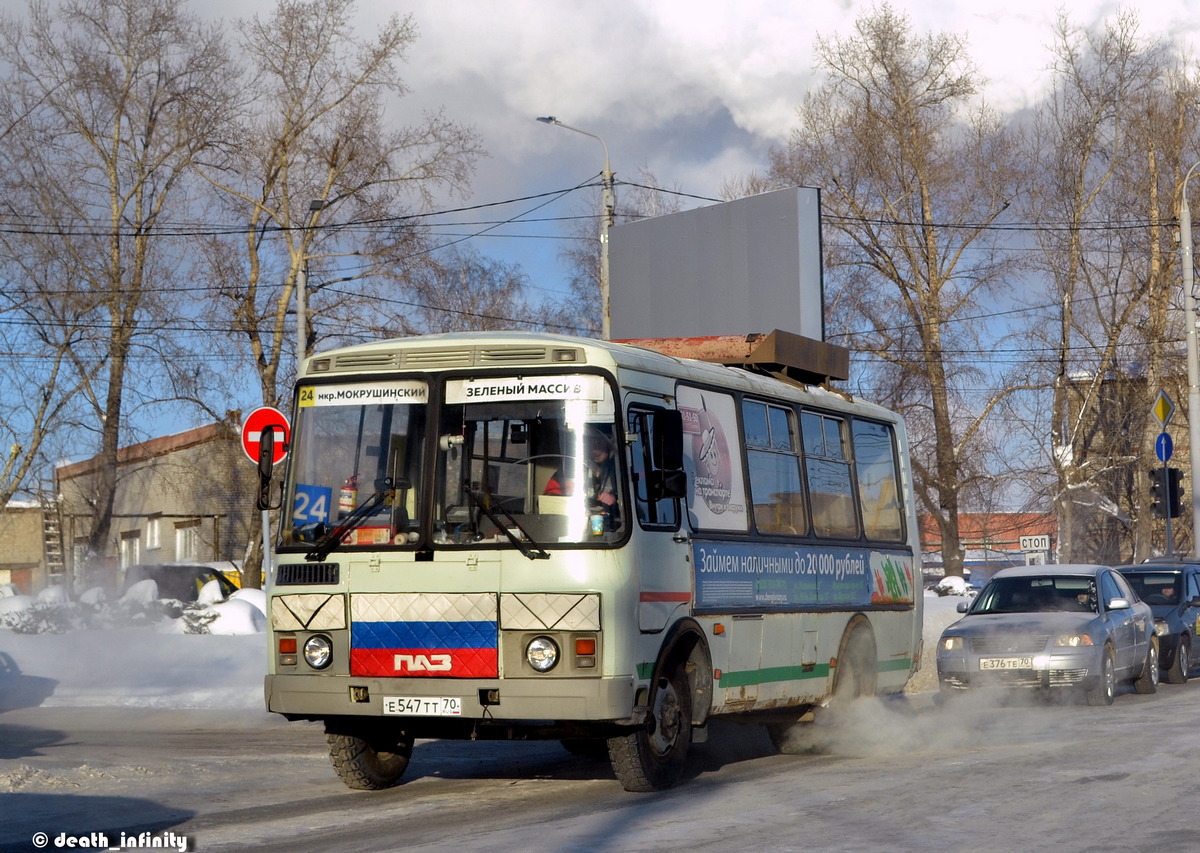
(425, 663)
(423, 635)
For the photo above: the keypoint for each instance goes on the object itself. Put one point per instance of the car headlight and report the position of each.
(542, 654)
(951, 644)
(318, 651)
(1160, 627)
(1072, 640)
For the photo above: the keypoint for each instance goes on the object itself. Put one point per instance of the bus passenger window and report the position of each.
(828, 472)
(878, 485)
(776, 494)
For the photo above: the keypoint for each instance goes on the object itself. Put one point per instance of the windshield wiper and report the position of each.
(384, 492)
(526, 546)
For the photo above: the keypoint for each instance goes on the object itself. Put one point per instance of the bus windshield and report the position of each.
(356, 464)
(540, 471)
(522, 473)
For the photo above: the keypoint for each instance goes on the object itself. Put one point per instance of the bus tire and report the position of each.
(858, 667)
(369, 764)
(854, 678)
(652, 757)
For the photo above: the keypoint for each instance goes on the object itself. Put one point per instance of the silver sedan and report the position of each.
(1052, 627)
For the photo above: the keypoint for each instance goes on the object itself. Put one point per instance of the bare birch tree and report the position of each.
(314, 163)
(1105, 157)
(314, 173)
(115, 100)
(913, 173)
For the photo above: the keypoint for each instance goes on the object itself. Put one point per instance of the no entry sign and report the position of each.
(252, 429)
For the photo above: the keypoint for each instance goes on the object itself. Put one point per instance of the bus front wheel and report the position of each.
(369, 763)
(652, 757)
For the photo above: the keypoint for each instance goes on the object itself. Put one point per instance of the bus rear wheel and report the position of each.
(652, 757)
(854, 678)
(369, 763)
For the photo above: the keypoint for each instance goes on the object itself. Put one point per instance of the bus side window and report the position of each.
(878, 481)
(827, 467)
(657, 507)
(776, 494)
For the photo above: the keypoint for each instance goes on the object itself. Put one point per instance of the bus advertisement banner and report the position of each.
(736, 574)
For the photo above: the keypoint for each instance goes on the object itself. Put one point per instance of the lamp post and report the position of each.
(314, 207)
(1193, 367)
(606, 220)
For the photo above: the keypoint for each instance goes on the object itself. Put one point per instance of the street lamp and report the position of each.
(1193, 367)
(314, 207)
(606, 197)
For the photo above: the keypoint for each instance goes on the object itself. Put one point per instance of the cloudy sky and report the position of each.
(695, 91)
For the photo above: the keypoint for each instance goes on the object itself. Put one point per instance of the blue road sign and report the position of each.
(1164, 447)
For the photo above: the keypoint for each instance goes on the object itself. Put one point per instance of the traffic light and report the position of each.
(1158, 492)
(1174, 493)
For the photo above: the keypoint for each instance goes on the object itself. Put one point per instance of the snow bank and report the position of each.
(138, 651)
(157, 665)
(132, 667)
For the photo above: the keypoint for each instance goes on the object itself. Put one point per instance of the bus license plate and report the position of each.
(423, 706)
(1006, 663)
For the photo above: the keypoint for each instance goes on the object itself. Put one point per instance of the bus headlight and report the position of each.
(318, 651)
(542, 654)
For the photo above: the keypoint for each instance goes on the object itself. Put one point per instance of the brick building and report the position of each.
(26, 561)
(180, 498)
(991, 540)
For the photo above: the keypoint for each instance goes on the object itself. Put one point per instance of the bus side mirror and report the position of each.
(266, 463)
(667, 479)
(666, 440)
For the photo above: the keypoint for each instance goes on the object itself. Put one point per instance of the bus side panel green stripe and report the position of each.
(777, 673)
(793, 673)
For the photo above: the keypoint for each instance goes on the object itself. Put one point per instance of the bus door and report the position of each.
(658, 484)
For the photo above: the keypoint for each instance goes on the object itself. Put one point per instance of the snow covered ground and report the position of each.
(155, 664)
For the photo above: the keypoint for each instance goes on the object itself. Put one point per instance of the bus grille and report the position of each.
(296, 574)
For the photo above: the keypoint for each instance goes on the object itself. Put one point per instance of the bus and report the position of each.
(451, 564)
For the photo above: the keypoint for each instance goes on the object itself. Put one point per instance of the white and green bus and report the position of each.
(446, 570)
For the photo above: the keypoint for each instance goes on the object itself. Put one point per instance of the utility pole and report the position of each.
(608, 202)
(1193, 367)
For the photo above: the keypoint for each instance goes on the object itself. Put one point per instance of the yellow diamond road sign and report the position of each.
(1163, 408)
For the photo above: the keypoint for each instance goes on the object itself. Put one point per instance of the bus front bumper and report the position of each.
(535, 700)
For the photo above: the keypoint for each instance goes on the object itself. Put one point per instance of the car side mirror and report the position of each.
(1119, 604)
(963, 607)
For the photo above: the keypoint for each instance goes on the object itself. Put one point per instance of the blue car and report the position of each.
(1058, 627)
(1172, 589)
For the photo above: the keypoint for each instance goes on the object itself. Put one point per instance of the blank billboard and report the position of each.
(750, 265)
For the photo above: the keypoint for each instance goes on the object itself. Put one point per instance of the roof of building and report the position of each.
(153, 447)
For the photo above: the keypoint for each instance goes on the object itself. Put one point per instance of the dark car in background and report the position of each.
(181, 581)
(1054, 627)
(1172, 589)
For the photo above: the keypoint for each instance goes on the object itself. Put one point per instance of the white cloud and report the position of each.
(698, 90)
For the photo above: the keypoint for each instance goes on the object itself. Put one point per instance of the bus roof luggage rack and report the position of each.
(781, 354)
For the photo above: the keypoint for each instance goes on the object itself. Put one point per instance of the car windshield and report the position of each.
(1156, 587)
(1072, 594)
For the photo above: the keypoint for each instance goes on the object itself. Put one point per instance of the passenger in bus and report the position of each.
(601, 485)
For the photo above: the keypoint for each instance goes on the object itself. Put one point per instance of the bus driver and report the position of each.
(601, 475)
